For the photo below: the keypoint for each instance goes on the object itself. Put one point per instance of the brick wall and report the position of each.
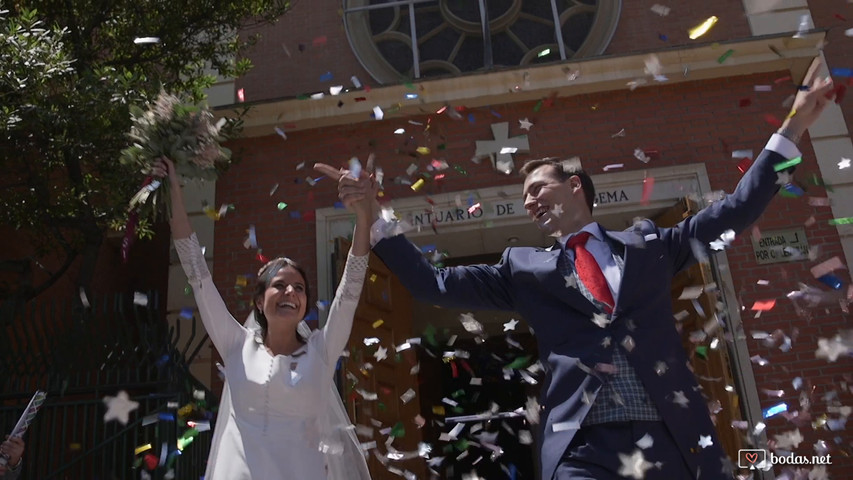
(688, 123)
(320, 32)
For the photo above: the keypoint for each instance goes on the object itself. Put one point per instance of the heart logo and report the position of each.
(751, 457)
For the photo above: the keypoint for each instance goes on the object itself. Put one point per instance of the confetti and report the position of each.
(826, 267)
(841, 221)
(241, 95)
(146, 40)
(702, 29)
(524, 124)
(725, 56)
(844, 163)
(661, 10)
(634, 465)
(613, 166)
(763, 305)
(119, 407)
(378, 323)
(787, 164)
(140, 299)
(774, 410)
(805, 25)
(378, 114)
(648, 187)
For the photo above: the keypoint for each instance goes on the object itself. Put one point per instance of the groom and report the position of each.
(619, 398)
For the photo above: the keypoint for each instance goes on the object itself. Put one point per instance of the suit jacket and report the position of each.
(527, 280)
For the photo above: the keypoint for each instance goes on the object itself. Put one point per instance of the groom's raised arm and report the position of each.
(770, 171)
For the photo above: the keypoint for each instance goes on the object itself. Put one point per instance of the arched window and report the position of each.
(397, 40)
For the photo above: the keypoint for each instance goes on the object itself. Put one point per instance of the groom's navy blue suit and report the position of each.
(528, 280)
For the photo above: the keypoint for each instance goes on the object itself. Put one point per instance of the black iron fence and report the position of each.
(80, 355)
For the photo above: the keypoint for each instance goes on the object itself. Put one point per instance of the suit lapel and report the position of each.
(547, 272)
(633, 244)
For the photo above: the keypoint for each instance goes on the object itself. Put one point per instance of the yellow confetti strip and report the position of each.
(417, 185)
(75, 447)
(373, 277)
(241, 281)
(423, 150)
(143, 448)
(793, 112)
(378, 323)
(438, 410)
(702, 29)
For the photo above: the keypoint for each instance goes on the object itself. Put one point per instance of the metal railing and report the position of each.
(79, 356)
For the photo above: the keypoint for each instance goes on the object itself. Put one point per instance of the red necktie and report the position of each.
(589, 272)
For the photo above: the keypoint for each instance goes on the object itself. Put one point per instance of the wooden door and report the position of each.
(384, 313)
(712, 366)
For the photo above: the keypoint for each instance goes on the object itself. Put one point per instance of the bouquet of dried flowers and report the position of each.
(185, 133)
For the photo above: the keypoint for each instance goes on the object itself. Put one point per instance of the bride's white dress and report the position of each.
(280, 422)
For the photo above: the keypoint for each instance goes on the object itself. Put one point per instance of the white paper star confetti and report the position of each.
(634, 465)
(831, 348)
(557, 210)
(789, 440)
(119, 407)
(381, 353)
(661, 10)
(510, 325)
(844, 163)
(680, 399)
(600, 320)
(525, 124)
(705, 441)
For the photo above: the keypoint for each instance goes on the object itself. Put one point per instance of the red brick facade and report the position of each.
(693, 122)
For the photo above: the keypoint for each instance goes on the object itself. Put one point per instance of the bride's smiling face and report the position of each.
(286, 297)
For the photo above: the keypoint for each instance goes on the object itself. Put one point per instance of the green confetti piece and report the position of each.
(461, 445)
(841, 221)
(409, 85)
(381, 406)
(816, 180)
(520, 362)
(458, 393)
(458, 410)
(460, 170)
(429, 335)
(543, 53)
(725, 56)
(398, 430)
(702, 351)
(188, 290)
(281, 205)
(441, 146)
(538, 106)
(787, 193)
(302, 97)
(787, 164)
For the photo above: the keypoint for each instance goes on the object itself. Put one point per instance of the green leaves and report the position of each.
(70, 79)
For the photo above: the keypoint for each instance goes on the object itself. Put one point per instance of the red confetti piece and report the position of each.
(840, 91)
(764, 305)
(454, 368)
(781, 79)
(321, 40)
(743, 165)
(772, 120)
(261, 258)
(150, 461)
(360, 99)
(648, 186)
(745, 102)
(467, 367)
(441, 110)
(840, 17)
(241, 95)
(367, 88)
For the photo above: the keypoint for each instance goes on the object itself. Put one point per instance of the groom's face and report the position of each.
(546, 197)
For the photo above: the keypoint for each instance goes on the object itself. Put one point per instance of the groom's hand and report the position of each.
(351, 191)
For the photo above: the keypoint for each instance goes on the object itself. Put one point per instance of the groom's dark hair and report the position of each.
(564, 169)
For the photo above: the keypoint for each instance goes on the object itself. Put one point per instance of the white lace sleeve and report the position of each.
(225, 332)
(341, 312)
